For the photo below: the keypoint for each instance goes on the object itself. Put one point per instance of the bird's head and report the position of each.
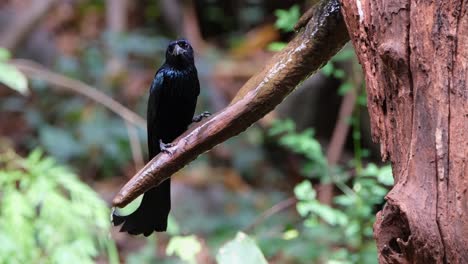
(179, 53)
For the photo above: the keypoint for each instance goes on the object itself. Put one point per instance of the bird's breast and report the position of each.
(177, 104)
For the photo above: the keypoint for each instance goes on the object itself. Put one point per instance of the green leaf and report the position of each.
(13, 78)
(276, 46)
(371, 170)
(356, 135)
(4, 54)
(362, 99)
(287, 19)
(345, 88)
(282, 126)
(352, 229)
(185, 247)
(328, 214)
(57, 218)
(304, 191)
(328, 69)
(344, 200)
(339, 74)
(242, 249)
(385, 175)
(290, 234)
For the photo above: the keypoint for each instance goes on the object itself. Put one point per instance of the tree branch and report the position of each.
(338, 139)
(283, 205)
(337, 142)
(323, 36)
(131, 119)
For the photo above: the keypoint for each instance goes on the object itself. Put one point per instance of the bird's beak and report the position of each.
(177, 50)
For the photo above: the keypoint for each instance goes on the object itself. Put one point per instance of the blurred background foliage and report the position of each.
(301, 186)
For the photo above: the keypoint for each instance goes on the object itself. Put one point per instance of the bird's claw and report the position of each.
(200, 117)
(166, 147)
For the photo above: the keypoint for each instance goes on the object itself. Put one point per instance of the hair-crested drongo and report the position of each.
(171, 106)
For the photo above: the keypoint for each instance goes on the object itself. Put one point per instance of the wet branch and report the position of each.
(323, 36)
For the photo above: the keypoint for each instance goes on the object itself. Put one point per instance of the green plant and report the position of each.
(241, 249)
(345, 227)
(350, 83)
(180, 247)
(47, 215)
(185, 247)
(286, 20)
(67, 126)
(303, 143)
(10, 76)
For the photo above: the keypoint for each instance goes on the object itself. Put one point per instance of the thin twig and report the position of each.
(33, 69)
(137, 152)
(116, 15)
(283, 205)
(337, 142)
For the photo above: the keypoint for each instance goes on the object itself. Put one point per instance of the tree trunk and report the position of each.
(415, 57)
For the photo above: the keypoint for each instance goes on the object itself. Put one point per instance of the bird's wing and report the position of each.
(152, 113)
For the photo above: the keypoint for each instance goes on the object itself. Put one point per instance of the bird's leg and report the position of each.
(166, 147)
(200, 117)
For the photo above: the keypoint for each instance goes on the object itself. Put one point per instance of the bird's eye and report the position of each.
(183, 45)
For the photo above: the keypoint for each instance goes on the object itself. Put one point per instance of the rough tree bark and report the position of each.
(415, 58)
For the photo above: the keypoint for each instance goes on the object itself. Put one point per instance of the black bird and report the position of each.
(171, 106)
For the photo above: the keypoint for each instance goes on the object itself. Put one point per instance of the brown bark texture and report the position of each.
(415, 58)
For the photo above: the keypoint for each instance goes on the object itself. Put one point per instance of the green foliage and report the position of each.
(276, 46)
(242, 249)
(82, 135)
(4, 54)
(345, 227)
(331, 70)
(309, 205)
(302, 143)
(10, 76)
(47, 215)
(350, 82)
(185, 247)
(286, 19)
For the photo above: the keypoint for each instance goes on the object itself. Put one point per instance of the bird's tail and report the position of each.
(151, 215)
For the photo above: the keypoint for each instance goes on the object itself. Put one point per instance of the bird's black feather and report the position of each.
(171, 106)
